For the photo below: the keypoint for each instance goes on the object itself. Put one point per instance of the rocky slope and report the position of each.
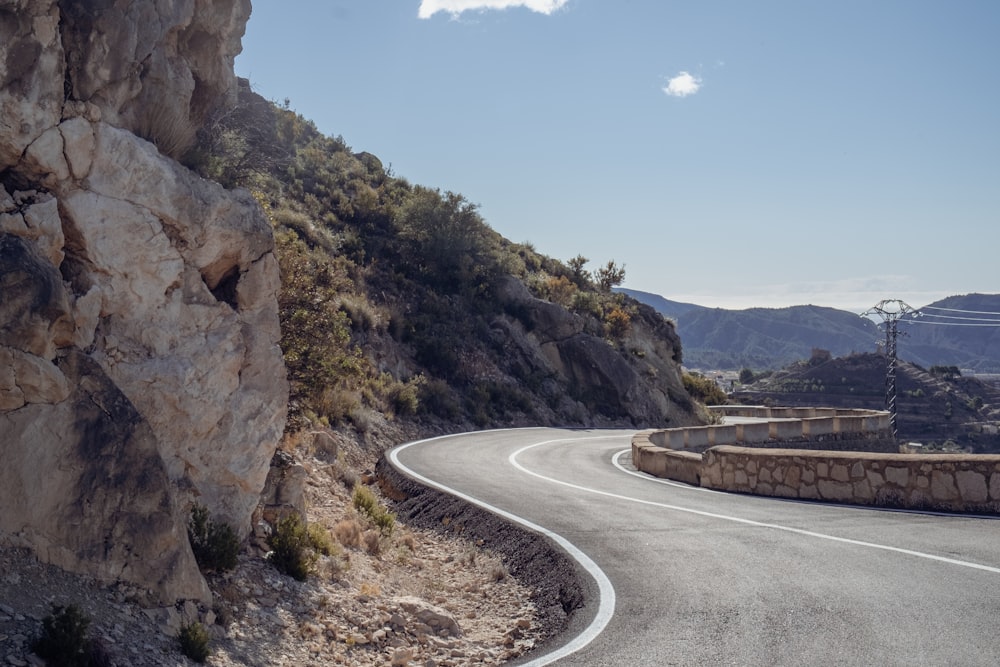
(138, 327)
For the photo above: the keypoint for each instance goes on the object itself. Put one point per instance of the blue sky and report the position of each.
(728, 153)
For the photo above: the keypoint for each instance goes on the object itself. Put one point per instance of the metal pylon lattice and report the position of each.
(890, 310)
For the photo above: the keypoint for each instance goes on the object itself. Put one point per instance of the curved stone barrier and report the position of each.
(944, 482)
(664, 462)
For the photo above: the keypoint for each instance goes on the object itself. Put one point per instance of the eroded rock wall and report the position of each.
(638, 381)
(128, 281)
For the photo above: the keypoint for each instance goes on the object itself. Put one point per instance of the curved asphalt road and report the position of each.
(685, 576)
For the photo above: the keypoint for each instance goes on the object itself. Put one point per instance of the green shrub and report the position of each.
(63, 641)
(365, 502)
(435, 398)
(292, 550)
(215, 545)
(586, 303)
(364, 499)
(193, 639)
(319, 539)
(404, 397)
(385, 521)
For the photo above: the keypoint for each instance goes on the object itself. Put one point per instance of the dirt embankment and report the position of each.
(557, 581)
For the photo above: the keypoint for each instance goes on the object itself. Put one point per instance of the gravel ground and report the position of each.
(453, 585)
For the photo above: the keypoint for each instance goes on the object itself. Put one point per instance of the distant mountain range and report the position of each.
(961, 331)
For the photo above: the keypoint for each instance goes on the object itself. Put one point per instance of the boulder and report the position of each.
(82, 485)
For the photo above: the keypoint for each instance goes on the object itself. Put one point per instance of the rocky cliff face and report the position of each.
(139, 360)
(643, 388)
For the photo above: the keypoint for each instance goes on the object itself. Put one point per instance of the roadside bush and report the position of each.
(64, 641)
(319, 539)
(404, 397)
(365, 501)
(385, 521)
(292, 550)
(215, 545)
(193, 639)
(435, 398)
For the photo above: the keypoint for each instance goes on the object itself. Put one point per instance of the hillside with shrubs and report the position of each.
(400, 304)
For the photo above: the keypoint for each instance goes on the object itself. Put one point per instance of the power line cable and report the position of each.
(957, 317)
(959, 310)
(949, 324)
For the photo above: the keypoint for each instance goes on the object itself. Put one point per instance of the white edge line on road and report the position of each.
(606, 601)
(749, 522)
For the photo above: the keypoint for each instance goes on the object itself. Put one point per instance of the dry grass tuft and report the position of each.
(498, 573)
(348, 533)
(345, 475)
(409, 542)
(369, 589)
(373, 542)
(169, 128)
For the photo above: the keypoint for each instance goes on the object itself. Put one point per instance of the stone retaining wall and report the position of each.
(666, 463)
(944, 482)
(807, 428)
(835, 442)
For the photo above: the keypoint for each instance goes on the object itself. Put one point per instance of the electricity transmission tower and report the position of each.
(890, 310)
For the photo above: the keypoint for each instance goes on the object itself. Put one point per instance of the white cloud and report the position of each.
(682, 85)
(429, 8)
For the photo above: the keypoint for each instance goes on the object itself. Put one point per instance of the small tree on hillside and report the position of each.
(445, 240)
(610, 275)
(580, 275)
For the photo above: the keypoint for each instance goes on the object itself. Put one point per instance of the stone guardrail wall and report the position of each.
(801, 428)
(944, 482)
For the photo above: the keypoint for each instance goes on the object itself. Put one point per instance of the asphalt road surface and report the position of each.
(685, 576)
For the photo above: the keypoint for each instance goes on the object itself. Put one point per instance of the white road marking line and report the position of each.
(606, 596)
(749, 522)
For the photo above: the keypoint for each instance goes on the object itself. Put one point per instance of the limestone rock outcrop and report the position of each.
(139, 361)
(643, 386)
